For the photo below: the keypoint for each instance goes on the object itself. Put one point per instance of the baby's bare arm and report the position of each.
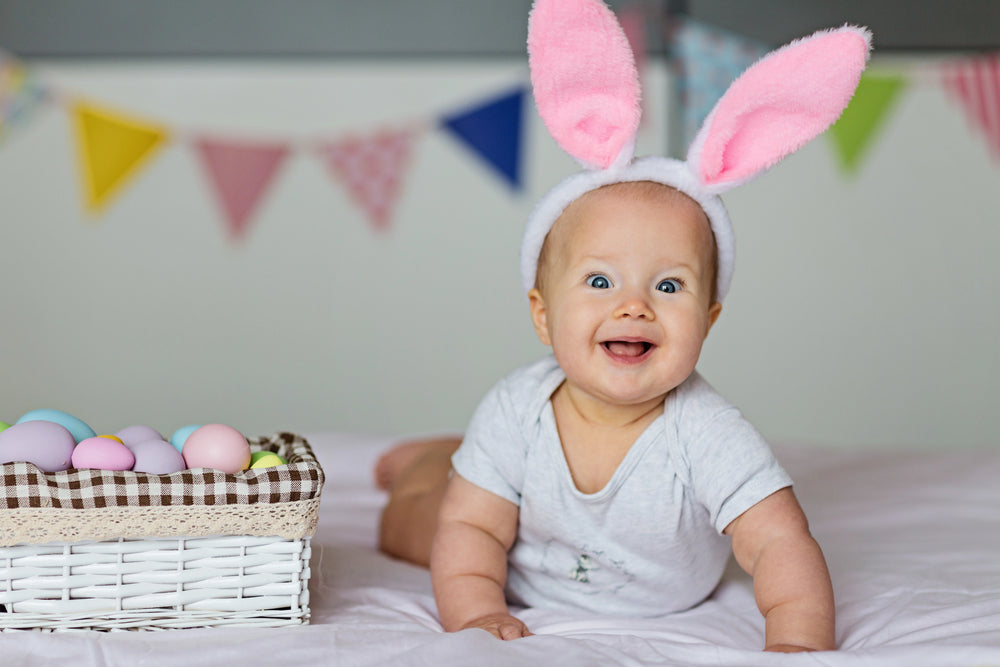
(772, 542)
(469, 560)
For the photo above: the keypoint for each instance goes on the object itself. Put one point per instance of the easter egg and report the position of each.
(217, 446)
(103, 453)
(46, 444)
(157, 457)
(265, 460)
(131, 435)
(112, 437)
(74, 425)
(180, 436)
(4, 426)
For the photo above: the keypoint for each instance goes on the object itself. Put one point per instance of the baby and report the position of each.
(610, 476)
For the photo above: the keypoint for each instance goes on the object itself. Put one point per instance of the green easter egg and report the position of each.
(4, 425)
(265, 460)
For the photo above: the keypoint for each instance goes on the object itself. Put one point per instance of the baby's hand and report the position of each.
(502, 626)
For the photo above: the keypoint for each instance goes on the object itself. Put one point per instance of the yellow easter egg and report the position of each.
(265, 460)
(112, 437)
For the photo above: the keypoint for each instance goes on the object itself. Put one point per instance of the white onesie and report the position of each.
(648, 543)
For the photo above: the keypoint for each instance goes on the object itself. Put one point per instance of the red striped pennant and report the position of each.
(975, 84)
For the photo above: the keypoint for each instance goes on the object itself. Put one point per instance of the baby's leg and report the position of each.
(416, 475)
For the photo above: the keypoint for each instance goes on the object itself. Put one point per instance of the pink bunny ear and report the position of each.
(783, 101)
(584, 79)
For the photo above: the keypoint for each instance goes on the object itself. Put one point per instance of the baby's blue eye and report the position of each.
(598, 281)
(669, 286)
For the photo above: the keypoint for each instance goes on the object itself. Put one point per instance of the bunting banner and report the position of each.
(241, 172)
(974, 84)
(708, 60)
(372, 169)
(853, 133)
(112, 147)
(20, 93)
(492, 131)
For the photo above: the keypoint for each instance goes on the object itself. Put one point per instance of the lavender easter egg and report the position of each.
(103, 453)
(79, 428)
(157, 457)
(46, 444)
(131, 435)
(217, 446)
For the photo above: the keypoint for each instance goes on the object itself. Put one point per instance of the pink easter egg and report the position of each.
(103, 453)
(46, 444)
(157, 457)
(217, 446)
(131, 435)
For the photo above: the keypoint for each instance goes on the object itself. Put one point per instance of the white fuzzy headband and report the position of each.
(586, 88)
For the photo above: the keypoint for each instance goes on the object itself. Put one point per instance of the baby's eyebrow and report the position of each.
(685, 268)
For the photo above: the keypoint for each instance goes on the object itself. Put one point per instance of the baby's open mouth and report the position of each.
(625, 348)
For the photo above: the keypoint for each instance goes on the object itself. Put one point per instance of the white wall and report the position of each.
(863, 309)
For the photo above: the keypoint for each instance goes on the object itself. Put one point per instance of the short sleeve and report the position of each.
(730, 467)
(492, 455)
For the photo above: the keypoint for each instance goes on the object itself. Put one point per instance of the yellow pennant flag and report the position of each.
(112, 148)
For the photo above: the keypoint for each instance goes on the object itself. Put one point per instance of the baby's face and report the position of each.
(626, 298)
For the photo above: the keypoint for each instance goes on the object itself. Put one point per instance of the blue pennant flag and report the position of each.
(493, 131)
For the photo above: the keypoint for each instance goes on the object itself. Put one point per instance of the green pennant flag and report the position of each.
(853, 133)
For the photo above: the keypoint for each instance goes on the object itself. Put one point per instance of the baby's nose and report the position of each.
(635, 306)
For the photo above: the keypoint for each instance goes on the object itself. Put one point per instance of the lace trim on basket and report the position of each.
(289, 520)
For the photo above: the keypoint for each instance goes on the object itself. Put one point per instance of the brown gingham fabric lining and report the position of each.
(24, 485)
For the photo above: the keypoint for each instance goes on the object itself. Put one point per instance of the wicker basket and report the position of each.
(233, 552)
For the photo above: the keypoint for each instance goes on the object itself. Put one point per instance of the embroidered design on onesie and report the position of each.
(584, 570)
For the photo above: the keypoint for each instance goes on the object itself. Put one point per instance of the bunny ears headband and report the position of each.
(586, 88)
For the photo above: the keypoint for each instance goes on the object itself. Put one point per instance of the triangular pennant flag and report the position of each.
(112, 148)
(975, 84)
(709, 59)
(20, 93)
(854, 131)
(493, 131)
(372, 169)
(240, 172)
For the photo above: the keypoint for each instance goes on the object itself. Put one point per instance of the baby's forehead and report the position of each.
(678, 208)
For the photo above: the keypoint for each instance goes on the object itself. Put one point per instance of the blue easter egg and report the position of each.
(75, 425)
(180, 436)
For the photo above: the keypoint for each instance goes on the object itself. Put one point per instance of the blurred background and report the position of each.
(306, 215)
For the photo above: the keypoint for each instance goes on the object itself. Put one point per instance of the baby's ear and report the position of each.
(538, 316)
(713, 315)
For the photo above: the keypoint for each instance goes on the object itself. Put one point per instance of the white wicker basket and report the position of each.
(169, 566)
(155, 584)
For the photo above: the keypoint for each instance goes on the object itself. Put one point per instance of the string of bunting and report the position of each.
(113, 145)
(708, 58)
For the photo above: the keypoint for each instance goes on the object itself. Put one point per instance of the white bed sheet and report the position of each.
(912, 539)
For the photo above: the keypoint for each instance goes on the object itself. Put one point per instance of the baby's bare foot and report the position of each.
(392, 463)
